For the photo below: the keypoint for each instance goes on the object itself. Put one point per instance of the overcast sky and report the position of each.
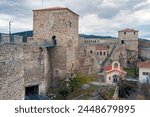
(99, 17)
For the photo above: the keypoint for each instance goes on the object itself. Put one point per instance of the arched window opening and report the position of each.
(104, 53)
(54, 40)
(91, 51)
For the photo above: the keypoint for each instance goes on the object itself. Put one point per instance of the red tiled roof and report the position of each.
(145, 64)
(55, 8)
(109, 69)
(128, 30)
(100, 47)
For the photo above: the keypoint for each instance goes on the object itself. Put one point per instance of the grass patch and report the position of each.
(132, 72)
(107, 92)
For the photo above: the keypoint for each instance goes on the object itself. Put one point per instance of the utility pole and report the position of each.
(10, 30)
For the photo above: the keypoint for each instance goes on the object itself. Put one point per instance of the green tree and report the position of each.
(64, 92)
(79, 80)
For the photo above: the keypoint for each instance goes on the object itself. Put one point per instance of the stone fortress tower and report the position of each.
(34, 67)
(61, 23)
(129, 38)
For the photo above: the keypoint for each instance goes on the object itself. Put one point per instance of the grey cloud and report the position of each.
(15, 8)
(130, 5)
(108, 13)
(143, 5)
(110, 10)
(85, 7)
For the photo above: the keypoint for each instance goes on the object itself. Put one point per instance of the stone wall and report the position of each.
(64, 25)
(35, 68)
(131, 45)
(144, 53)
(11, 72)
(144, 50)
(144, 44)
(88, 61)
(18, 39)
(5, 38)
(30, 65)
(128, 35)
(96, 40)
(129, 39)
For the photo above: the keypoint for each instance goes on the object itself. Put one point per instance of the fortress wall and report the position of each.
(144, 53)
(11, 72)
(35, 68)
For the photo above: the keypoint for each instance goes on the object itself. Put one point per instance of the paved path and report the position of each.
(101, 84)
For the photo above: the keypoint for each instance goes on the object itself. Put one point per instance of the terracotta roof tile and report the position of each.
(128, 30)
(145, 64)
(101, 47)
(109, 68)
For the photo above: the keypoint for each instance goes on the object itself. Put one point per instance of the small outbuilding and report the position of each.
(113, 73)
(144, 72)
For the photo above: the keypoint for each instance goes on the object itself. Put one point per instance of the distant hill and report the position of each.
(94, 36)
(145, 40)
(29, 33)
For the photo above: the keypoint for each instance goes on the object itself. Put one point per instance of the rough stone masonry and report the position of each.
(27, 65)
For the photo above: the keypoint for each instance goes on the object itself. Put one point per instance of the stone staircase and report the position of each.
(110, 55)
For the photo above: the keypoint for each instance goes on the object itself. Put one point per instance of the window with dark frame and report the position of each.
(91, 51)
(104, 53)
(122, 41)
(145, 73)
(100, 53)
(97, 53)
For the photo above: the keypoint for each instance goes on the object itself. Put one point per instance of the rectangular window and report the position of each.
(100, 53)
(104, 53)
(145, 73)
(97, 53)
(56, 72)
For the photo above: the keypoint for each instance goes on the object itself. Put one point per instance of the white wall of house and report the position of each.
(109, 77)
(144, 75)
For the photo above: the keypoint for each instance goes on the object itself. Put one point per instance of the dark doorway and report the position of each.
(122, 41)
(115, 78)
(32, 90)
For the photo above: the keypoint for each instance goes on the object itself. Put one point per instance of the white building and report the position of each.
(113, 73)
(144, 72)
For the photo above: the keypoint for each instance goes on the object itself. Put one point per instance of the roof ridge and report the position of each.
(55, 8)
(128, 30)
